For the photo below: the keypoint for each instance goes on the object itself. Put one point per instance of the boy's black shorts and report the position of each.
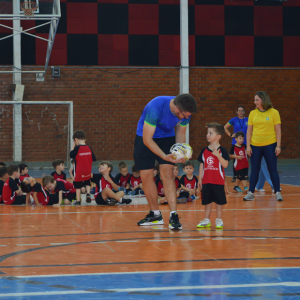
(81, 184)
(213, 193)
(19, 200)
(100, 201)
(53, 199)
(144, 158)
(242, 174)
(70, 196)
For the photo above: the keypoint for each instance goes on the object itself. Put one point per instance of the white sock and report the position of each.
(156, 212)
(121, 201)
(172, 212)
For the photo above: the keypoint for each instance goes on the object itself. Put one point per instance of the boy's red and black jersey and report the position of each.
(156, 177)
(1, 189)
(160, 187)
(42, 195)
(213, 172)
(84, 157)
(189, 183)
(177, 183)
(239, 151)
(20, 179)
(134, 181)
(59, 176)
(121, 180)
(9, 191)
(65, 186)
(101, 182)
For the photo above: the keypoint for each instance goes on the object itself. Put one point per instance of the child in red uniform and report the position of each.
(188, 182)
(3, 178)
(63, 188)
(240, 164)
(11, 194)
(135, 181)
(23, 173)
(84, 157)
(213, 159)
(122, 178)
(59, 166)
(105, 183)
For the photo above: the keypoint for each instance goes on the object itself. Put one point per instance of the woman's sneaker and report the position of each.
(174, 222)
(204, 223)
(249, 197)
(151, 219)
(260, 190)
(219, 224)
(279, 196)
(238, 189)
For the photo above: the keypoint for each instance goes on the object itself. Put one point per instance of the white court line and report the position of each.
(159, 240)
(191, 239)
(127, 241)
(28, 244)
(153, 289)
(259, 238)
(221, 238)
(3, 245)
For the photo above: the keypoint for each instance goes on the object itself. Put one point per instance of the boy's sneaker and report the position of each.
(151, 219)
(182, 200)
(76, 203)
(142, 193)
(233, 179)
(279, 196)
(191, 198)
(238, 189)
(88, 198)
(249, 197)
(204, 223)
(219, 223)
(125, 201)
(246, 188)
(111, 202)
(247, 179)
(174, 222)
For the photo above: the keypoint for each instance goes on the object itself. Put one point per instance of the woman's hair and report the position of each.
(266, 102)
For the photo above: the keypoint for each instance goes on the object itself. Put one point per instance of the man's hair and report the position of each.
(22, 167)
(79, 134)
(11, 169)
(109, 164)
(218, 128)
(266, 101)
(122, 165)
(239, 133)
(3, 171)
(134, 169)
(47, 179)
(156, 167)
(241, 107)
(2, 164)
(26, 187)
(188, 163)
(57, 162)
(186, 103)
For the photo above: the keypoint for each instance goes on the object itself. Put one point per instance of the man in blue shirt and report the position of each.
(155, 136)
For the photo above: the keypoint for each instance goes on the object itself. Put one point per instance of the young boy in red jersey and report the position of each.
(11, 194)
(105, 183)
(63, 188)
(240, 164)
(84, 157)
(136, 186)
(122, 178)
(23, 173)
(213, 159)
(188, 182)
(3, 178)
(59, 166)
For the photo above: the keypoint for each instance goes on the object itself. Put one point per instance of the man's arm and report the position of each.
(180, 133)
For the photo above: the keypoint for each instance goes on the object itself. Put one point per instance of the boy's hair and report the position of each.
(134, 169)
(47, 179)
(186, 103)
(188, 163)
(241, 107)
(108, 164)
(239, 133)
(79, 134)
(3, 171)
(218, 128)
(11, 169)
(26, 187)
(72, 161)
(22, 167)
(266, 101)
(156, 167)
(57, 162)
(2, 164)
(176, 166)
(122, 165)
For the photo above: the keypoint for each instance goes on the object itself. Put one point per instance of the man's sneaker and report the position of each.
(182, 200)
(279, 196)
(88, 198)
(125, 201)
(174, 222)
(219, 223)
(111, 202)
(151, 219)
(249, 197)
(260, 190)
(204, 223)
(233, 179)
(246, 188)
(238, 189)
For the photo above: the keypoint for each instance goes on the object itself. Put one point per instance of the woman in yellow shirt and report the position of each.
(263, 140)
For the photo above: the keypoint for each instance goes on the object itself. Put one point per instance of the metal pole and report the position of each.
(184, 52)
(17, 79)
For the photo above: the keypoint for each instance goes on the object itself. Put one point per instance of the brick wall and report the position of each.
(109, 102)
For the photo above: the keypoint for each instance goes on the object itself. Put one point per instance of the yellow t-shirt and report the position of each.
(263, 123)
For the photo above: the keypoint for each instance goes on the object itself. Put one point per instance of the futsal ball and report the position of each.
(181, 151)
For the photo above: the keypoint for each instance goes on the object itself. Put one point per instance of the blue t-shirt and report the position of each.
(157, 113)
(239, 125)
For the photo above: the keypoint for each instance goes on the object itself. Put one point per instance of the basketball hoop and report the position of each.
(29, 7)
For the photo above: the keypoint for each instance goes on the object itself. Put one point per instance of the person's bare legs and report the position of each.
(208, 208)
(78, 194)
(219, 211)
(108, 193)
(166, 173)
(150, 188)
